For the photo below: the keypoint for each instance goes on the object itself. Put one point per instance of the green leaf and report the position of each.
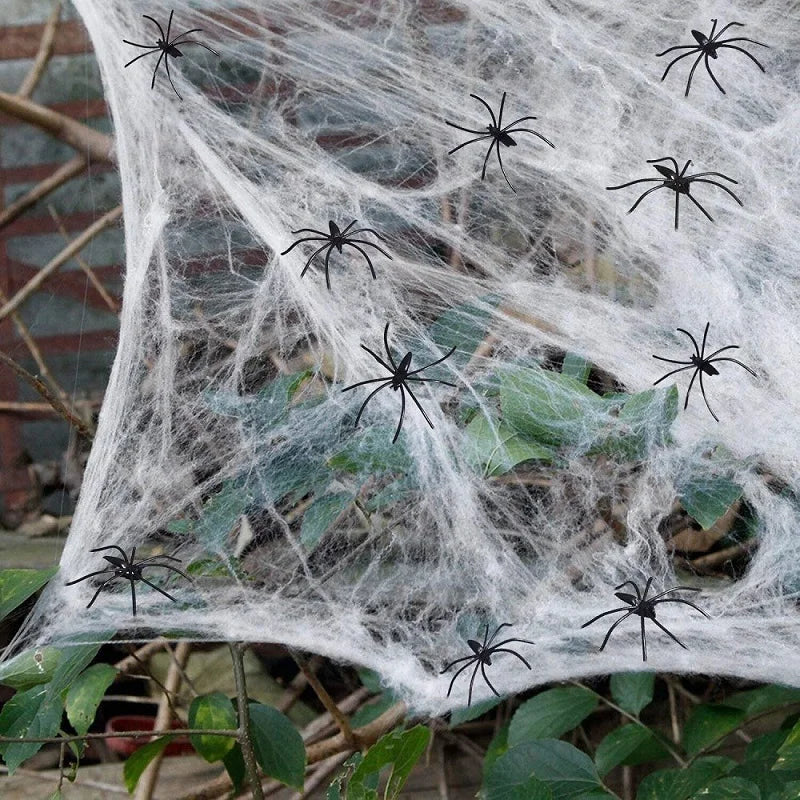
(220, 513)
(729, 789)
(30, 668)
(576, 367)
(567, 771)
(626, 745)
(85, 694)
(137, 761)
(707, 499)
(463, 327)
(373, 452)
(17, 585)
(681, 784)
(548, 407)
(511, 777)
(632, 691)
(789, 751)
(215, 712)
(791, 791)
(497, 747)
(496, 449)
(465, 714)
(765, 698)
(401, 750)
(56, 795)
(759, 759)
(234, 766)
(551, 714)
(372, 709)
(708, 724)
(320, 515)
(278, 746)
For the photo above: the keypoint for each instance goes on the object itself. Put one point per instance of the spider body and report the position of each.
(400, 375)
(645, 608)
(128, 568)
(167, 47)
(703, 365)
(336, 239)
(679, 182)
(482, 658)
(497, 133)
(708, 47)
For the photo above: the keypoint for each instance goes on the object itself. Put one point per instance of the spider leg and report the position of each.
(366, 242)
(431, 380)
(489, 108)
(666, 158)
(632, 183)
(320, 234)
(155, 70)
(313, 256)
(363, 253)
(378, 359)
(146, 46)
(185, 33)
(644, 641)
(164, 38)
(693, 340)
(673, 361)
(466, 130)
(513, 653)
(485, 160)
(697, 372)
(700, 207)
(713, 77)
(471, 682)
(649, 191)
(148, 53)
(497, 630)
(516, 122)
(457, 661)
(433, 364)
(685, 602)
(194, 41)
(635, 589)
(528, 130)
(471, 659)
(703, 346)
(99, 589)
(90, 575)
(722, 30)
(677, 208)
(153, 558)
(676, 60)
(691, 73)
(677, 47)
(166, 64)
(681, 369)
(169, 25)
(368, 230)
(646, 589)
(671, 635)
(169, 567)
(159, 589)
(500, 113)
(342, 233)
(300, 241)
(611, 629)
(749, 55)
(605, 614)
(508, 641)
(720, 186)
(725, 358)
(740, 39)
(386, 345)
(675, 589)
(369, 397)
(486, 678)
(703, 392)
(416, 402)
(718, 174)
(327, 264)
(133, 595)
(402, 414)
(362, 383)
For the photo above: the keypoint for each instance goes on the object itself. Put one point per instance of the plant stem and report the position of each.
(250, 766)
(122, 735)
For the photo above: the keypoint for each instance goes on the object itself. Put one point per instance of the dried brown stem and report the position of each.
(42, 389)
(296, 687)
(43, 55)
(32, 408)
(87, 141)
(128, 663)
(65, 255)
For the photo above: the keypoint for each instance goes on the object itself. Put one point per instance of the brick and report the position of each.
(24, 145)
(47, 314)
(32, 12)
(98, 192)
(105, 249)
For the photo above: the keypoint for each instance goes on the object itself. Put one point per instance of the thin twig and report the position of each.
(125, 665)
(30, 408)
(296, 686)
(250, 766)
(42, 57)
(66, 172)
(42, 389)
(327, 701)
(151, 734)
(673, 713)
(77, 244)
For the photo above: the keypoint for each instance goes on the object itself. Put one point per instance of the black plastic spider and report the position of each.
(399, 380)
(482, 658)
(702, 364)
(707, 47)
(646, 609)
(337, 239)
(167, 47)
(130, 569)
(679, 182)
(497, 134)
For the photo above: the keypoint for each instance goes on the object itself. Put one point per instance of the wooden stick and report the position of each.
(12, 407)
(42, 56)
(246, 743)
(128, 663)
(65, 255)
(87, 141)
(66, 172)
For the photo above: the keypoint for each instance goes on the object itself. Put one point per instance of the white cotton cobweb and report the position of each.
(225, 425)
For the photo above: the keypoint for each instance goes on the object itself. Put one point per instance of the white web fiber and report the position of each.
(225, 422)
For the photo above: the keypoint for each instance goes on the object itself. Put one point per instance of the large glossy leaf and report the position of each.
(709, 723)
(707, 499)
(511, 777)
(213, 712)
(729, 789)
(758, 765)
(496, 448)
(17, 585)
(632, 691)
(278, 746)
(466, 713)
(372, 451)
(463, 327)
(551, 714)
(576, 367)
(624, 746)
(789, 751)
(85, 693)
(681, 784)
(756, 701)
(30, 668)
(137, 761)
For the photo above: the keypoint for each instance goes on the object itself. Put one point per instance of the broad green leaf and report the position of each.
(548, 407)
(17, 585)
(137, 761)
(632, 691)
(551, 714)
(320, 515)
(707, 499)
(576, 367)
(729, 789)
(790, 791)
(789, 751)
(56, 795)
(497, 449)
(466, 713)
(220, 513)
(85, 694)
(234, 766)
(567, 771)
(372, 451)
(30, 668)
(759, 760)
(278, 746)
(401, 750)
(681, 784)
(622, 745)
(463, 327)
(336, 789)
(756, 701)
(708, 724)
(372, 710)
(497, 747)
(511, 777)
(215, 712)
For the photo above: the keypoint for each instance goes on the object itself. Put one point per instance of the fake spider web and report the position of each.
(225, 425)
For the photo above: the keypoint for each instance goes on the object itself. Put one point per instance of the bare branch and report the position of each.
(43, 56)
